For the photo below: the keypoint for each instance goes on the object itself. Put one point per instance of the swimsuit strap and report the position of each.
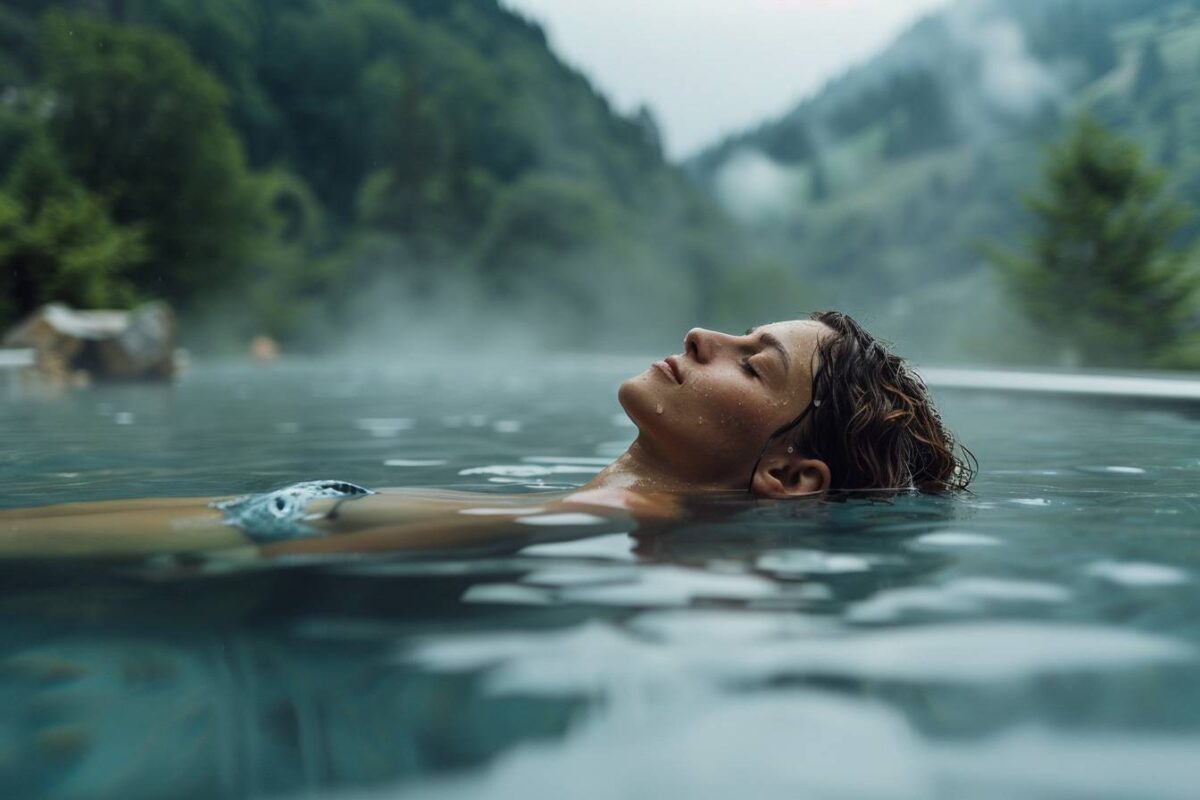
(280, 515)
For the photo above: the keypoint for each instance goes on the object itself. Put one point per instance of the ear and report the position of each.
(783, 474)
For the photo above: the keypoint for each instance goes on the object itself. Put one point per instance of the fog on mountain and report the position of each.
(330, 175)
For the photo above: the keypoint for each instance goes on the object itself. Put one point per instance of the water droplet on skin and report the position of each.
(658, 409)
(699, 420)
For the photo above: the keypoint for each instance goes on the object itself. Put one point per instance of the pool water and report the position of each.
(1037, 638)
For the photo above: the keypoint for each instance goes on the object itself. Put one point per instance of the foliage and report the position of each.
(276, 157)
(1100, 275)
(57, 240)
(927, 149)
(139, 122)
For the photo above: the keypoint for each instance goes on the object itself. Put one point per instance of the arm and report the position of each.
(392, 521)
(118, 528)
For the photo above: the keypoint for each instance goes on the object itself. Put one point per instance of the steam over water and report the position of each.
(1037, 638)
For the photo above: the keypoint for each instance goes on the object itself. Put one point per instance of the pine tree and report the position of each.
(1101, 276)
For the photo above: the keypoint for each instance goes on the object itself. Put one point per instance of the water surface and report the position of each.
(1038, 638)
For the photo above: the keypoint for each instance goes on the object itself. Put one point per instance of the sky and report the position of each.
(707, 68)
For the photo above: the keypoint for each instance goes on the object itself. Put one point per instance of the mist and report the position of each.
(500, 199)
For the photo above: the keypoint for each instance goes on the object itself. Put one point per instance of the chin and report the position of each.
(637, 401)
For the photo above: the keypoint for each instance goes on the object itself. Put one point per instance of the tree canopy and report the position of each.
(266, 156)
(1101, 276)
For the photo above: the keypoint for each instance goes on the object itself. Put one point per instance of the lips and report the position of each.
(670, 367)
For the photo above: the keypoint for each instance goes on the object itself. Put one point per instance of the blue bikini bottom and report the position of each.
(281, 515)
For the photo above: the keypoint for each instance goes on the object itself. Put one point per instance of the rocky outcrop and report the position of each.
(75, 346)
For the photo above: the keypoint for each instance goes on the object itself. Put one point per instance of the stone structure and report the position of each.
(72, 346)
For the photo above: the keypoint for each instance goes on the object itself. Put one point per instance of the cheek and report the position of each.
(728, 418)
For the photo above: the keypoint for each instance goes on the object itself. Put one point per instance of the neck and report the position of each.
(640, 469)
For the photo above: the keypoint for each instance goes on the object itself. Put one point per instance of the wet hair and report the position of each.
(872, 421)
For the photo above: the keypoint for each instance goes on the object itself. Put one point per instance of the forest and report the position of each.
(313, 170)
(893, 188)
(286, 168)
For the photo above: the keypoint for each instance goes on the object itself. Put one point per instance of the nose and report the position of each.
(702, 344)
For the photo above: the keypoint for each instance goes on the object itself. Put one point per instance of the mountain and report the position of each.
(879, 190)
(295, 166)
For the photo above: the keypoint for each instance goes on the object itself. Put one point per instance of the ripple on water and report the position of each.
(1024, 761)
(569, 519)
(384, 427)
(568, 461)
(956, 539)
(963, 596)
(611, 547)
(578, 575)
(1138, 573)
(530, 470)
(811, 562)
(1113, 470)
(512, 594)
(726, 625)
(597, 655)
(664, 586)
(678, 754)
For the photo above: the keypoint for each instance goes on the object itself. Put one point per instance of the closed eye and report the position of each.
(746, 365)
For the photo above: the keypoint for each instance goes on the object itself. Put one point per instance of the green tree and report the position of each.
(553, 233)
(1101, 276)
(57, 240)
(142, 125)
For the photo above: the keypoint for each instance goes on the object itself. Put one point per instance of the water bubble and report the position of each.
(658, 409)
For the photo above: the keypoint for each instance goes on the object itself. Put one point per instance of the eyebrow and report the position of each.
(770, 340)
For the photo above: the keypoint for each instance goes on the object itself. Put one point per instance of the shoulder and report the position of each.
(641, 506)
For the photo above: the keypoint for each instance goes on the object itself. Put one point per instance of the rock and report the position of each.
(103, 345)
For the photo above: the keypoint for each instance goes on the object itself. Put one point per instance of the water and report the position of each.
(1039, 638)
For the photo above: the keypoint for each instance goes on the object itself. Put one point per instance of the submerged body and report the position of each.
(393, 519)
(790, 409)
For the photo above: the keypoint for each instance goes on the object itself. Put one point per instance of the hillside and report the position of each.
(880, 189)
(300, 166)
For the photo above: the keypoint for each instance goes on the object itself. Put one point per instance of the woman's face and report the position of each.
(709, 411)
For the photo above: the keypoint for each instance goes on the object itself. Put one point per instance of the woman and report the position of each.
(789, 409)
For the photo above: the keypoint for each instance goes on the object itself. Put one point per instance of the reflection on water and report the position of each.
(1038, 638)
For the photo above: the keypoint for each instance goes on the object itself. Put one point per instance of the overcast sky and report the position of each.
(711, 67)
